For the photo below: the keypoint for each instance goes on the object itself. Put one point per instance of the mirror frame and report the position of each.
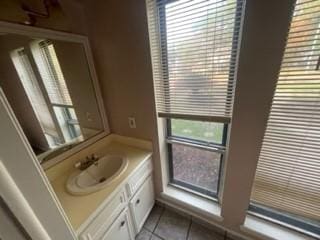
(29, 31)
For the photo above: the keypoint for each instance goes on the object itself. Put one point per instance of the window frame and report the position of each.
(282, 218)
(216, 147)
(68, 119)
(207, 146)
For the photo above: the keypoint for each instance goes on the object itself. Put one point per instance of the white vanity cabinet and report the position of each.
(121, 228)
(101, 222)
(142, 203)
(122, 216)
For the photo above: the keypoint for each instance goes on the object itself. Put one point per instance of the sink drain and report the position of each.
(102, 179)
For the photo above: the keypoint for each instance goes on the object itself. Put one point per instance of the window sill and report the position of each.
(192, 204)
(265, 229)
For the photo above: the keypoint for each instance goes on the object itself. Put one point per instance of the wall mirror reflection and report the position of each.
(49, 85)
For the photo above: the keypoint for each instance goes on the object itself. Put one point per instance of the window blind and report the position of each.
(50, 71)
(194, 48)
(288, 173)
(30, 84)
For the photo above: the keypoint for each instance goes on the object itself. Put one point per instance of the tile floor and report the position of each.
(165, 224)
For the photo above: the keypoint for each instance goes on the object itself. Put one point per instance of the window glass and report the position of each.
(198, 130)
(196, 168)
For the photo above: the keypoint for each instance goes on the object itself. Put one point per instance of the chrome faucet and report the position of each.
(91, 159)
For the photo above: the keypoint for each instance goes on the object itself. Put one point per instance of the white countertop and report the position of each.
(79, 208)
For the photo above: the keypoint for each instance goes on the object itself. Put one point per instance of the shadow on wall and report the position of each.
(66, 15)
(122, 56)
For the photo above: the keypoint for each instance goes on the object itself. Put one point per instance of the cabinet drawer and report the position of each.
(138, 178)
(142, 203)
(107, 215)
(121, 228)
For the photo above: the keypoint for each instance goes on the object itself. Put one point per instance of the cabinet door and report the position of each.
(142, 203)
(104, 219)
(138, 178)
(120, 229)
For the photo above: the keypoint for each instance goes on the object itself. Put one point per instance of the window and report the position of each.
(195, 152)
(287, 182)
(194, 48)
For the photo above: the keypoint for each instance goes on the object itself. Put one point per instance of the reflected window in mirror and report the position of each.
(33, 91)
(56, 88)
(48, 93)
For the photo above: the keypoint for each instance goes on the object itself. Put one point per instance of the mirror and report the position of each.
(50, 86)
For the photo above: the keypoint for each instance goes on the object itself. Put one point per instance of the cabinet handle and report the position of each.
(122, 223)
(138, 201)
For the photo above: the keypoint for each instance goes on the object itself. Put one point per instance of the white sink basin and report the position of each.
(97, 176)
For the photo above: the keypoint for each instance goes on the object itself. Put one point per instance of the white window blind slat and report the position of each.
(193, 48)
(288, 173)
(51, 73)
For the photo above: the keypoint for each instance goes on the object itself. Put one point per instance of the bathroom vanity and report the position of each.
(120, 208)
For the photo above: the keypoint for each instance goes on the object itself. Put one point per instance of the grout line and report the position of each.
(188, 233)
(150, 236)
(158, 236)
(143, 228)
(162, 211)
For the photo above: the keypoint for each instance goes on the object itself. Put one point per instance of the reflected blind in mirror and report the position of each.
(194, 48)
(288, 173)
(51, 73)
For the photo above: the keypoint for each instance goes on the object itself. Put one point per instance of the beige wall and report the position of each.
(118, 33)
(119, 38)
